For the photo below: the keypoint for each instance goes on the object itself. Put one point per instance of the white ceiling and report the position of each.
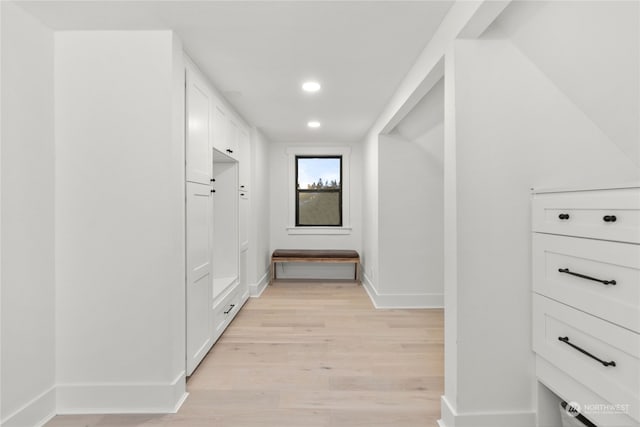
(259, 53)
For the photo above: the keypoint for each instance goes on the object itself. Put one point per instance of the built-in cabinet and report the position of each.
(243, 187)
(244, 145)
(225, 130)
(214, 290)
(586, 305)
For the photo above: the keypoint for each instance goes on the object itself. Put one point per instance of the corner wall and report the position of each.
(464, 19)
(411, 208)
(27, 276)
(514, 130)
(259, 217)
(370, 205)
(119, 222)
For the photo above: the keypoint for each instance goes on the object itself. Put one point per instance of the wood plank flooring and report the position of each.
(311, 354)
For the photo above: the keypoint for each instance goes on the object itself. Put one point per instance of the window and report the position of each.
(318, 191)
(343, 225)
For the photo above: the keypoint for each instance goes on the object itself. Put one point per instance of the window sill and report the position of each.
(319, 230)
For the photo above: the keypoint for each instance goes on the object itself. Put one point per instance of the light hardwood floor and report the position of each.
(311, 354)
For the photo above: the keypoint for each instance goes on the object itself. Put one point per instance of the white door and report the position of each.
(220, 129)
(198, 104)
(234, 136)
(199, 272)
(244, 176)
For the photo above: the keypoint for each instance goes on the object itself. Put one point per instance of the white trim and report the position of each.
(450, 418)
(627, 186)
(409, 301)
(37, 412)
(328, 150)
(319, 230)
(136, 398)
(256, 289)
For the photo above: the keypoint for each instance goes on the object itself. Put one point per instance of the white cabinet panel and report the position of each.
(244, 221)
(199, 272)
(596, 276)
(599, 214)
(234, 136)
(213, 294)
(226, 309)
(586, 301)
(225, 130)
(245, 160)
(225, 223)
(602, 356)
(198, 143)
(220, 128)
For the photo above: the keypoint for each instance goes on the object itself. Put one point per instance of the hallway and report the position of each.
(311, 354)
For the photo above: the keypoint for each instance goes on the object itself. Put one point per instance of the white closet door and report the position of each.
(220, 129)
(234, 136)
(198, 129)
(199, 273)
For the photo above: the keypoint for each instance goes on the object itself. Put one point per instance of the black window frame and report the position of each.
(322, 190)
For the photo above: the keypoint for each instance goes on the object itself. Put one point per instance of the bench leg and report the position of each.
(273, 273)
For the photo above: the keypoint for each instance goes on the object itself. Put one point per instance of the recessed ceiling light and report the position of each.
(311, 86)
(313, 124)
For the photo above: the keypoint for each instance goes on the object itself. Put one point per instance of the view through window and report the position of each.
(319, 191)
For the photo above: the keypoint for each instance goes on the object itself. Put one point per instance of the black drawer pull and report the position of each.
(585, 352)
(228, 150)
(563, 216)
(213, 191)
(609, 218)
(230, 308)
(582, 276)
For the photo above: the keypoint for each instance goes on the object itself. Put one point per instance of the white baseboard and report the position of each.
(450, 418)
(380, 300)
(256, 289)
(151, 398)
(37, 412)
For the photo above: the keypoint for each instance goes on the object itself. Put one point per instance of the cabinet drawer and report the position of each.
(599, 214)
(557, 260)
(619, 384)
(225, 309)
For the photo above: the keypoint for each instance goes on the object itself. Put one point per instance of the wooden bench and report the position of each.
(312, 255)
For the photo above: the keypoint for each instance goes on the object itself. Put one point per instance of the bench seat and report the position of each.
(315, 255)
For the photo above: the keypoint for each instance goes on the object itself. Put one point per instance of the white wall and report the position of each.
(259, 215)
(466, 18)
(514, 130)
(119, 222)
(28, 287)
(530, 111)
(281, 239)
(578, 45)
(176, 157)
(370, 221)
(411, 207)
